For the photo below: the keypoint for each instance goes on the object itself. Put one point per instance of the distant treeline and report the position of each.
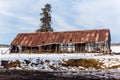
(4, 45)
(115, 44)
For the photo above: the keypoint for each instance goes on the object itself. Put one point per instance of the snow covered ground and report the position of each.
(52, 62)
(115, 49)
(47, 59)
(4, 50)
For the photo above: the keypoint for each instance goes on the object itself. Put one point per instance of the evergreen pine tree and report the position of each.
(46, 19)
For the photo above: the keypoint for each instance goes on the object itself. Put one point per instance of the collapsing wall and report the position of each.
(63, 42)
(64, 48)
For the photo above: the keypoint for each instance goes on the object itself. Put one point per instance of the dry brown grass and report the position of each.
(53, 67)
(87, 63)
(14, 64)
(114, 67)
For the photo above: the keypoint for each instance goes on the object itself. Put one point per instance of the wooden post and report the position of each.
(31, 50)
(91, 47)
(104, 47)
(87, 45)
(56, 48)
(16, 49)
(76, 48)
(39, 49)
(107, 48)
(72, 47)
(80, 48)
(48, 48)
(66, 48)
(62, 48)
(101, 47)
(59, 48)
(25, 49)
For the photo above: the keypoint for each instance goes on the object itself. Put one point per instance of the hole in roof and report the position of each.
(43, 42)
(70, 40)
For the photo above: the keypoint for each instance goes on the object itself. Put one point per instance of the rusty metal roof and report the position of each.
(44, 38)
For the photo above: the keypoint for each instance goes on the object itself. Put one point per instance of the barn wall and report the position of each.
(63, 42)
(65, 48)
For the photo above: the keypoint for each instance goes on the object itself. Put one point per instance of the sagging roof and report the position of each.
(45, 38)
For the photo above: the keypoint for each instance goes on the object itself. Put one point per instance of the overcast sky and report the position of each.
(17, 16)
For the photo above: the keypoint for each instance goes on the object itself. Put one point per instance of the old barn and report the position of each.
(63, 42)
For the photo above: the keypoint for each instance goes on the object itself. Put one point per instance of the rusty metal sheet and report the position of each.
(44, 38)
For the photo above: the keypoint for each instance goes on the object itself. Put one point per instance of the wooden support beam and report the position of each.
(79, 47)
(16, 49)
(30, 51)
(66, 48)
(59, 49)
(39, 49)
(25, 49)
(75, 48)
(55, 48)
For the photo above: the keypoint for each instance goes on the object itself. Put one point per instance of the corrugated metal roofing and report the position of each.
(43, 38)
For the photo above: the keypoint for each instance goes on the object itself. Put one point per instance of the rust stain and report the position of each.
(44, 38)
